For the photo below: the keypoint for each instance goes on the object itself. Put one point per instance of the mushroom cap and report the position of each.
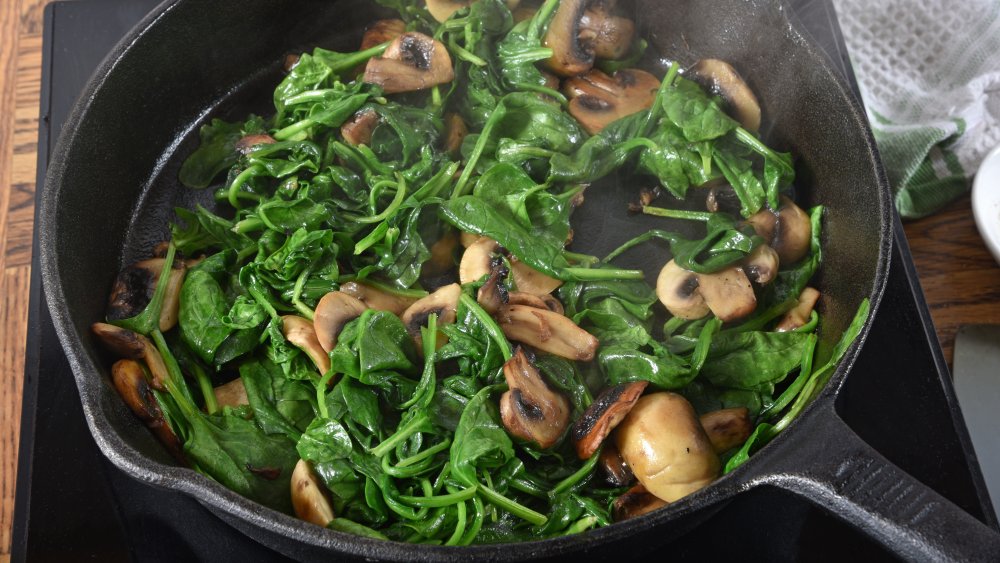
(720, 78)
(232, 394)
(413, 61)
(530, 409)
(570, 55)
(358, 129)
(443, 303)
(308, 497)
(762, 264)
(477, 262)
(547, 331)
(792, 233)
(597, 100)
(333, 311)
(663, 442)
(603, 415)
(132, 345)
(377, 299)
(727, 428)
(728, 293)
(134, 287)
(610, 36)
(677, 289)
(799, 315)
(764, 223)
(302, 335)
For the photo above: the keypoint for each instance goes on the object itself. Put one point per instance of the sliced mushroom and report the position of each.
(663, 442)
(443, 303)
(455, 131)
(441, 10)
(635, 502)
(381, 31)
(764, 223)
(413, 61)
(358, 129)
(762, 264)
(677, 289)
(597, 99)
(570, 55)
(727, 428)
(522, 13)
(302, 335)
(291, 61)
(232, 394)
(722, 197)
(720, 78)
(247, 144)
(309, 500)
(377, 299)
(728, 293)
(616, 472)
(547, 331)
(333, 311)
(603, 415)
(610, 36)
(478, 261)
(134, 346)
(442, 256)
(493, 295)
(792, 233)
(530, 409)
(134, 288)
(468, 239)
(537, 301)
(799, 315)
(129, 379)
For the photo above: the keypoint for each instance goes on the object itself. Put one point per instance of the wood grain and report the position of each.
(961, 281)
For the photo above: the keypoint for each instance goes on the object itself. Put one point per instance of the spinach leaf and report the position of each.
(480, 441)
(772, 356)
(216, 154)
(202, 308)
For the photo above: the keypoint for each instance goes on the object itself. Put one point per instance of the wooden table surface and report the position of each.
(960, 279)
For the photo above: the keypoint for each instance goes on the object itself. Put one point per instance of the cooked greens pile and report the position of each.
(318, 317)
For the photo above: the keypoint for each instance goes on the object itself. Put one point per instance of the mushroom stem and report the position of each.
(530, 409)
(308, 497)
(727, 428)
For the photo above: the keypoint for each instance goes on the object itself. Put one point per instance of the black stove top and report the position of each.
(72, 504)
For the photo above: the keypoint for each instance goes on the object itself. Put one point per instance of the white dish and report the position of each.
(986, 202)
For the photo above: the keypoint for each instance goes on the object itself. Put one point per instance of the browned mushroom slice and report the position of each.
(793, 232)
(603, 415)
(799, 315)
(720, 78)
(134, 346)
(728, 293)
(302, 335)
(443, 303)
(129, 379)
(493, 295)
(455, 131)
(727, 428)
(537, 301)
(358, 129)
(530, 409)
(247, 144)
(291, 61)
(134, 288)
(570, 55)
(442, 256)
(413, 61)
(610, 36)
(232, 394)
(616, 472)
(377, 299)
(764, 223)
(722, 197)
(308, 497)
(635, 502)
(478, 261)
(381, 31)
(468, 239)
(333, 311)
(663, 442)
(677, 289)
(547, 331)
(441, 10)
(597, 99)
(762, 264)
(522, 13)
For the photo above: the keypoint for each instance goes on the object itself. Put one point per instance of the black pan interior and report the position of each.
(112, 187)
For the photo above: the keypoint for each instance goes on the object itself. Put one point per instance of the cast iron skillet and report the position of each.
(112, 184)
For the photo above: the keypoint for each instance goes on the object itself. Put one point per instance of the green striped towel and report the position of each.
(929, 74)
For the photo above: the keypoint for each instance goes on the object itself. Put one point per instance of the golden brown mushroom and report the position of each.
(247, 144)
(727, 428)
(635, 502)
(793, 232)
(134, 346)
(662, 440)
(134, 288)
(308, 496)
(597, 99)
(610, 36)
(443, 303)
(413, 61)
(358, 129)
(762, 264)
(799, 315)
(333, 311)
(377, 299)
(616, 472)
(677, 289)
(232, 394)
(455, 131)
(570, 55)
(478, 261)
(129, 379)
(547, 331)
(603, 415)
(720, 78)
(302, 335)
(381, 31)
(728, 293)
(530, 409)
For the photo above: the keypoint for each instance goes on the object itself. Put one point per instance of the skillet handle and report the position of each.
(832, 467)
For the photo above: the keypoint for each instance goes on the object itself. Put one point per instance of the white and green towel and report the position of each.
(929, 73)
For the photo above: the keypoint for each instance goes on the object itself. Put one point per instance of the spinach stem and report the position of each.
(424, 454)
(519, 510)
(416, 424)
(460, 516)
(491, 326)
(598, 274)
(439, 500)
(479, 515)
(205, 384)
(354, 59)
(477, 151)
(149, 319)
(578, 476)
(242, 178)
(676, 213)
